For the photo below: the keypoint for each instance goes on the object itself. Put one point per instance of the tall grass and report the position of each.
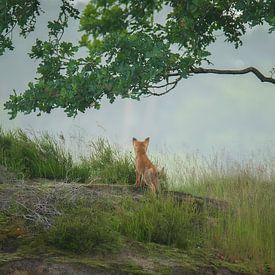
(109, 164)
(246, 229)
(32, 156)
(162, 220)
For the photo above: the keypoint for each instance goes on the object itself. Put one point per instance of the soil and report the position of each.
(42, 267)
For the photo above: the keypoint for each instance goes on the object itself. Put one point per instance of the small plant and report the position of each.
(84, 230)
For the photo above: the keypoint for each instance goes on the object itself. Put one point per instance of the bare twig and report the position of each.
(173, 83)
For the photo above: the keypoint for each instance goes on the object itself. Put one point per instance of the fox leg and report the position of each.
(138, 179)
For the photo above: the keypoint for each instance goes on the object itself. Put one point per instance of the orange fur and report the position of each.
(146, 172)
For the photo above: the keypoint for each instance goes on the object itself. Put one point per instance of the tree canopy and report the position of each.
(130, 53)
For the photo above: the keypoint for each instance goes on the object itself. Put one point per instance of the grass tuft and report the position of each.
(162, 220)
(85, 230)
(34, 156)
(110, 165)
(44, 156)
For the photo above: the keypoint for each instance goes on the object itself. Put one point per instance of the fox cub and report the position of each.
(146, 172)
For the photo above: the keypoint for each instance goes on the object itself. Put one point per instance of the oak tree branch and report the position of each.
(253, 70)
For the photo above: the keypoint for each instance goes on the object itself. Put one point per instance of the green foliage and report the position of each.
(129, 51)
(20, 13)
(23, 14)
(84, 230)
(162, 220)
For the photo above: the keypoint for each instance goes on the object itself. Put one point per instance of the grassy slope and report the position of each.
(30, 245)
(242, 234)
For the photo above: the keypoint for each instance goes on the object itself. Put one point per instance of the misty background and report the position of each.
(205, 113)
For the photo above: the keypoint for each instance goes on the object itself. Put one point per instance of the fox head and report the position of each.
(141, 146)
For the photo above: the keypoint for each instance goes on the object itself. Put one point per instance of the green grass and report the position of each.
(34, 156)
(85, 229)
(85, 226)
(246, 230)
(162, 220)
(108, 164)
(243, 232)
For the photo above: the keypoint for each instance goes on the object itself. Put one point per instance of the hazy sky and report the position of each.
(205, 113)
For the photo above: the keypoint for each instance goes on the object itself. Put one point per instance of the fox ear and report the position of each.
(146, 142)
(134, 139)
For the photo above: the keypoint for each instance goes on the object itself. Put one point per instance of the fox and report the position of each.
(146, 172)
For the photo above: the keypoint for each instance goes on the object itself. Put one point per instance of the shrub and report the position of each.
(84, 230)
